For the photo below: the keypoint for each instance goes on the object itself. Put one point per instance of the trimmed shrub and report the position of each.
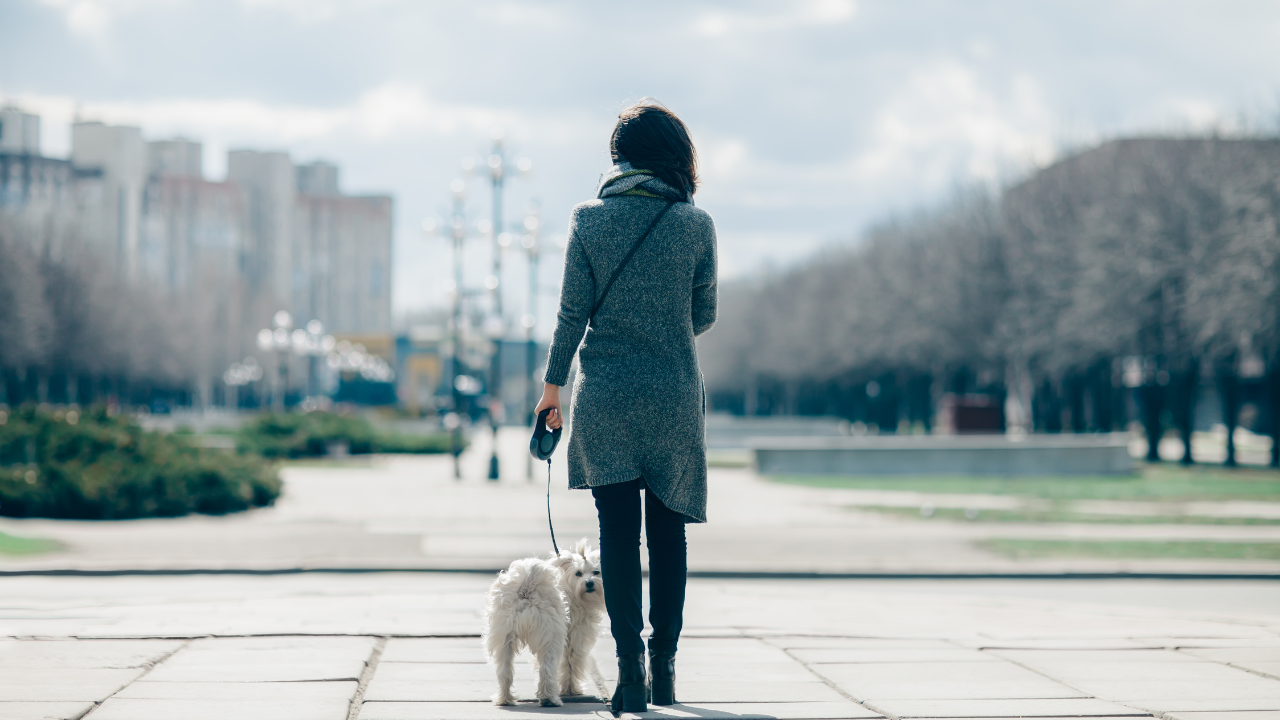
(299, 435)
(89, 466)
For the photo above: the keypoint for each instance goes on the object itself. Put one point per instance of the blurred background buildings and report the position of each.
(199, 265)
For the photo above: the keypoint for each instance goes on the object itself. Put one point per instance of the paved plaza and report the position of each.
(405, 646)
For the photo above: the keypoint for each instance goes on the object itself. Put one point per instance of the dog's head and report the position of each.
(580, 572)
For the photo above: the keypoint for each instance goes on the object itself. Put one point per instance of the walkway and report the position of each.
(397, 646)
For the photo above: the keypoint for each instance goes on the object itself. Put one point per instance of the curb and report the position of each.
(700, 574)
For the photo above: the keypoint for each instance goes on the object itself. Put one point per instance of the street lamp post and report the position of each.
(497, 164)
(279, 341)
(529, 241)
(458, 228)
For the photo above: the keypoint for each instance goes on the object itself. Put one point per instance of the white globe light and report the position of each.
(531, 223)
(265, 340)
(283, 319)
(315, 327)
(525, 164)
(491, 282)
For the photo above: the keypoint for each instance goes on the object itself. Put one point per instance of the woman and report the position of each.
(638, 401)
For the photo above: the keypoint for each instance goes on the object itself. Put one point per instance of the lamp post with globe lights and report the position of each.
(239, 375)
(529, 241)
(458, 387)
(312, 344)
(279, 341)
(498, 169)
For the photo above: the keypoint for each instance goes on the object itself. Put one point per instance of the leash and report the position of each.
(549, 525)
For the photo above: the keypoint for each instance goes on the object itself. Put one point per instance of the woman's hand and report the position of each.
(550, 399)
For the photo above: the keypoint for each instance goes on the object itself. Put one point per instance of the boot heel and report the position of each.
(629, 699)
(662, 678)
(664, 691)
(630, 693)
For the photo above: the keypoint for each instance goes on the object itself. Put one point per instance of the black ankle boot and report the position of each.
(662, 678)
(629, 696)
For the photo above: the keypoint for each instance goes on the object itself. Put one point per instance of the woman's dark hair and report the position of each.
(652, 138)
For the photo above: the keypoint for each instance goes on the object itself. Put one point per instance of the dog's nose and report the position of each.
(591, 584)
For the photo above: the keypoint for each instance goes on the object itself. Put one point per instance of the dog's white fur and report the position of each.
(552, 607)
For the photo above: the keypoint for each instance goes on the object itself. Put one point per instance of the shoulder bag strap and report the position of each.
(626, 260)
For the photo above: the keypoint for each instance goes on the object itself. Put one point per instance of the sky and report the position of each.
(813, 119)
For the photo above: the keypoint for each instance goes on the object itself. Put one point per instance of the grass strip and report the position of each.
(1022, 549)
(1056, 516)
(15, 546)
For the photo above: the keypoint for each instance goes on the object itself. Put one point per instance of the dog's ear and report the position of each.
(562, 562)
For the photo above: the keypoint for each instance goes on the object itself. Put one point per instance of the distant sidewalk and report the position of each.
(396, 512)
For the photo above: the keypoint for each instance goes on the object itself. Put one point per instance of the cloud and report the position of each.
(381, 112)
(945, 125)
(93, 18)
(797, 14)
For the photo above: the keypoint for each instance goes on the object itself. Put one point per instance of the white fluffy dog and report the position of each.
(552, 607)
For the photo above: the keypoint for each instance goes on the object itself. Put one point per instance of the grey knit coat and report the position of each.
(638, 406)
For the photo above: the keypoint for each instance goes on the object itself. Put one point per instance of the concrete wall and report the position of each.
(1102, 454)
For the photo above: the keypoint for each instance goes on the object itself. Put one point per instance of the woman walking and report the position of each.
(639, 284)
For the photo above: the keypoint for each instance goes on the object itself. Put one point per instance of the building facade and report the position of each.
(272, 236)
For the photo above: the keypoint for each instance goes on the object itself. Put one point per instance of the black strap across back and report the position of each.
(622, 265)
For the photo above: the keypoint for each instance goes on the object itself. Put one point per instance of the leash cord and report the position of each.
(549, 525)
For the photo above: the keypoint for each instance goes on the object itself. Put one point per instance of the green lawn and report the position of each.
(1055, 515)
(17, 546)
(1156, 482)
(1131, 549)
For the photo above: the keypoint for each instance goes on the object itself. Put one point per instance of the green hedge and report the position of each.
(298, 435)
(86, 465)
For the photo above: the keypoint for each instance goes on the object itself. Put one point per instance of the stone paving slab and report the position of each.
(439, 650)
(147, 689)
(748, 690)
(79, 654)
(205, 709)
(889, 655)
(942, 681)
(1035, 707)
(478, 711)
(44, 710)
(1165, 706)
(57, 684)
(1242, 715)
(267, 659)
(757, 711)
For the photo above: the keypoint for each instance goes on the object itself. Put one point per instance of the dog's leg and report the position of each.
(503, 657)
(571, 669)
(548, 655)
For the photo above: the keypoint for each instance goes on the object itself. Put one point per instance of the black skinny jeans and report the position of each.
(619, 509)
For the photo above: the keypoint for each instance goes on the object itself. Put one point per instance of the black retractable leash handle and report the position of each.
(541, 446)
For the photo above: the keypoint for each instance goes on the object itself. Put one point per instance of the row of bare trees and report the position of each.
(1123, 283)
(73, 330)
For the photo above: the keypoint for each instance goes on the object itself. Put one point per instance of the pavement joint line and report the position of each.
(829, 683)
(1063, 683)
(149, 667)
(699, 574)
(370, 667)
